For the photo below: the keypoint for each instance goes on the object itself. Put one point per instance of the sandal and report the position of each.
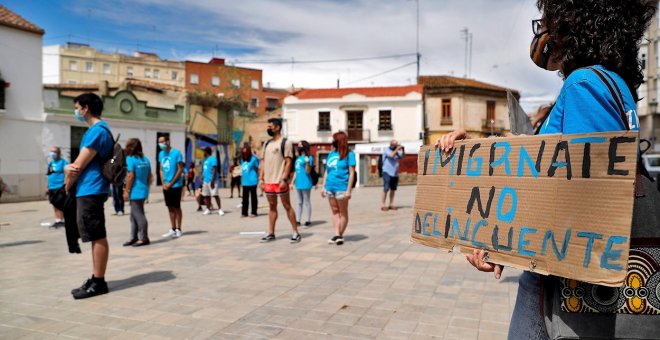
(384, 208)
(141, 243)
(393, 208)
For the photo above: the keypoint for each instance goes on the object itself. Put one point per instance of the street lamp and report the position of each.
(653, 107)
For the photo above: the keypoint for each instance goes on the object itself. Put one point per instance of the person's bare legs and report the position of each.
(100, 253)
(290, 212)
(383, 199)
(217, 200)
(336, 222)
(207, 202)
(272, 213)
(392, 192)
(179, 217)
(59, 214)
(172, 212)
(343, 215)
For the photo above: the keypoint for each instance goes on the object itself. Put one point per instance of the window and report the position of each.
(643, 61)
(194, 78)
(156, 73)
(271, 104)
(445, 110)
(324, 121)
(385, 120)
(147, 73)
(254, 102)
(236, 82)
(255, 84)
(490, 110)
(174, 75)
(89, 66)
(129, 71)
(215, 80)
(73, 66)
(106, 68)
(72, 81)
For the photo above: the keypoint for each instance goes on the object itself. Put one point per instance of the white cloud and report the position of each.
(324, 29)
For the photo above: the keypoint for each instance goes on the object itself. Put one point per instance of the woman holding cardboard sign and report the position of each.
(594, 45)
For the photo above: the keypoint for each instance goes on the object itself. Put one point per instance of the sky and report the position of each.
(328, 40)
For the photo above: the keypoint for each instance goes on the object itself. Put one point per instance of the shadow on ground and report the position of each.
(355, 238)
(185, 233)
(142, 279)
(19, 243)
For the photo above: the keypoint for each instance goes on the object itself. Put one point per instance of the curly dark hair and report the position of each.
(606, 32)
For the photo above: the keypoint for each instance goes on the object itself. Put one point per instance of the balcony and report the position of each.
(323, 128)
(359, 136)
(492, 126)
(446, 121)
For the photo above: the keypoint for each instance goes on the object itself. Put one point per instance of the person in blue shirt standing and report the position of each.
(249, 180)
(138, 180)
(302, 181)
(55, 177)
(171, 173)
(391, 157)
(209, 179)
(92, 189)
(594, 44)
(338, 184)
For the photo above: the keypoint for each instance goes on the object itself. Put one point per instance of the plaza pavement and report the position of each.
(215, 283)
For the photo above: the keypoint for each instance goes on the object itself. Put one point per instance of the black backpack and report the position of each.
(114, 167)
(380, 165)
(314, 175)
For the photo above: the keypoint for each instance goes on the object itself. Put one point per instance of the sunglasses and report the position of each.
(537, 27)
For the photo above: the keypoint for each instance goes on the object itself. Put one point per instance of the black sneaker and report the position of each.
(298, 223)
(308, 223)
(340, 241)
(268, 238)
(295, 238)
(333, 240)
(84, 286)
(94, 289)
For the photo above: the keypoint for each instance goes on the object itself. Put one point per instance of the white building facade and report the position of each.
(371, 117)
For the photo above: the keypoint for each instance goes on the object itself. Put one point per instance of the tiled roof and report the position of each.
(449, 82)
(81, 87)
(11, 19)
(392, 91)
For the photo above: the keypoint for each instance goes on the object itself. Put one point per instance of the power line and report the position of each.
(382, 73)
(321, 61)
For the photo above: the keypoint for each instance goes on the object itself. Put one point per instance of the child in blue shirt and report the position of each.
(302, 181)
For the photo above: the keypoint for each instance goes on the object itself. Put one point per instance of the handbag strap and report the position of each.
(618, 98)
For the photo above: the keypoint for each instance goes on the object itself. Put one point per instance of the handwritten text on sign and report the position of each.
(554, 204)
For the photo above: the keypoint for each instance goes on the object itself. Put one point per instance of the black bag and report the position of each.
(574, 309)
(114, 168)
(314, 175)
(60, 200)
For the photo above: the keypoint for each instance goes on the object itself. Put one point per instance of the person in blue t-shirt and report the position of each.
(391, 157)
(209, 181)
(171, 173)
(249, 180)
(302, 181)
(338, 183)
(138, 180)
(599, 94)
(92, 189)
(55, 177)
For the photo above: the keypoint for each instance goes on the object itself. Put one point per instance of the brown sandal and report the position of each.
(384, 208)
(393, 208)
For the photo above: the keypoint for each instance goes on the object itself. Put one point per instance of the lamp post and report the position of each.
(653, 108)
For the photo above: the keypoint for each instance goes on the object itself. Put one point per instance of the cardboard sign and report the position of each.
(552, 204)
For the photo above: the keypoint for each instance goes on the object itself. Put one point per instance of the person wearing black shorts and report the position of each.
(92, 190)
(171, 172)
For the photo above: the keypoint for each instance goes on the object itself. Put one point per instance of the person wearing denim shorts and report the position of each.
(337, 184)
(92, 189)
(391, 157)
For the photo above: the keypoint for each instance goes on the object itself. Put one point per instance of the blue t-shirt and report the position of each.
(303, 179)
(207, 171)
(56, 177)
(250, 169)
(338, 173)
(391, 165)
(168, 162)
(585, 104)
(91, 180)
(140, 167)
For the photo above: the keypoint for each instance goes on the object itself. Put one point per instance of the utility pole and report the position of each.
(465, 34)
(417, 54)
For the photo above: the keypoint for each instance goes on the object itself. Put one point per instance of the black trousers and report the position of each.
(250, 191)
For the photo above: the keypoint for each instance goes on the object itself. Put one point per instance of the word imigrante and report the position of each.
(475, 164)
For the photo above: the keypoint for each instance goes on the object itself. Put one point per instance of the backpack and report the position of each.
(282, 147)
(114, 167)
(314, 175)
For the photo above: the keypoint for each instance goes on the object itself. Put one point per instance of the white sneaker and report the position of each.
(178, 233)
(221, 213)
(240, 205)
(170, 233)
(206, 212)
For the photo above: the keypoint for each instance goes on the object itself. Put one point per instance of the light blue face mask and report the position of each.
(162, 146)
(79, 116)
(53, 155)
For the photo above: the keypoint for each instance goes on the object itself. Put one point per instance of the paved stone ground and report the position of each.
(215, 283)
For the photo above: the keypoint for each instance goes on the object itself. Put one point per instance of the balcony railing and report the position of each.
(446, 121)
(323, 128)
(359, 135)
(492, 126)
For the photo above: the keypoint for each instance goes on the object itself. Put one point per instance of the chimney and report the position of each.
(217, 61)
